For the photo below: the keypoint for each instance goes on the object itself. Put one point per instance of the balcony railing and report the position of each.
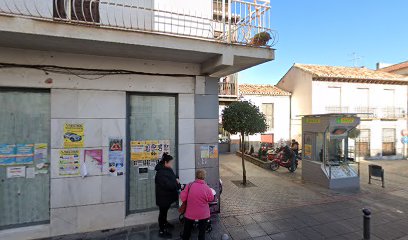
(370, 112)
(227, 89)
(244, 22)
(337, 109)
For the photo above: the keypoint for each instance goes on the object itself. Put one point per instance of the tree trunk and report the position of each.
(244, 181)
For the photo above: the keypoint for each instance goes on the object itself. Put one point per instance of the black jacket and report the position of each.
(166, 186)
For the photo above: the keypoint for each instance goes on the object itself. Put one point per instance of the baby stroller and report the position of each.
(214, 208)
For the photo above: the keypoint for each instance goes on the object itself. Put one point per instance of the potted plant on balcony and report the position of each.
(261, 39)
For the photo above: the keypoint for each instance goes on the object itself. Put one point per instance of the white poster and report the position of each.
(14, 172)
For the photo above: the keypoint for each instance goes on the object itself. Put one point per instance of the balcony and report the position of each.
(226, 21)
(218, 39)
(228, 88)
(337, 109)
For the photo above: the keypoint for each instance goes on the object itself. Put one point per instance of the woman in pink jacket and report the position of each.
(198, 195)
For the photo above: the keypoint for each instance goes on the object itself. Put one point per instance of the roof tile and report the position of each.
(262, 89)
(350, 73)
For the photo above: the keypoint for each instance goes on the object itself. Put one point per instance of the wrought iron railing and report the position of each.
(337, 109)
(245, 22)
(380, 112)
(370, 112)
(227, 89)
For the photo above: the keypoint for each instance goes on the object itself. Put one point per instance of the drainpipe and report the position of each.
(290, 116)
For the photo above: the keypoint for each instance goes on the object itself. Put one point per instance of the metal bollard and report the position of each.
(367, 217)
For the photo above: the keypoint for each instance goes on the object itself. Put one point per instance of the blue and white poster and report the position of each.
(7, 154)
(24, 154)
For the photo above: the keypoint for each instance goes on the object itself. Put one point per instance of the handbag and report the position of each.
(182, 209)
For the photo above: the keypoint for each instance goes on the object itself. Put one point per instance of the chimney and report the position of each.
(380, 65)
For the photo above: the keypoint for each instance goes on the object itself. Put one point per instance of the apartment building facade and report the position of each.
(379, 98)
(93, 92)
(274, 103)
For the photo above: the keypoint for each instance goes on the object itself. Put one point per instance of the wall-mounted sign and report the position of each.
(345, 120)
(312, 120)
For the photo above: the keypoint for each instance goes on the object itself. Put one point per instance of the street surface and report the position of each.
(280, 206)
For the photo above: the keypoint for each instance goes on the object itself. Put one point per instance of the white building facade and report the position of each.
(274, 103)
(92, 95)
(379, 98)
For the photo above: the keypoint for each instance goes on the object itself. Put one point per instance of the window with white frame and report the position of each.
(267, 110)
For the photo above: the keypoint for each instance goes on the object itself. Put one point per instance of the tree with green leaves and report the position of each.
(244, 118)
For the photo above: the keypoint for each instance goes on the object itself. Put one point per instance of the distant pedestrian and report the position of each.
(295, 146)
(198, 195)
(167, 186)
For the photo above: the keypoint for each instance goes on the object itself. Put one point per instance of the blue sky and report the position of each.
(327, 32)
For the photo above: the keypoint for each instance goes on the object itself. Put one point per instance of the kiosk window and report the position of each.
(24, 162)
(152, 130)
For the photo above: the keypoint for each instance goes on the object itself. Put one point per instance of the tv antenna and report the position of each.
(355, 59)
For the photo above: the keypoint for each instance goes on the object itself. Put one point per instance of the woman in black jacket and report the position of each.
(167, 185)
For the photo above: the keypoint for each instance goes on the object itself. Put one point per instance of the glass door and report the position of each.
(24, 161)
(152, 131)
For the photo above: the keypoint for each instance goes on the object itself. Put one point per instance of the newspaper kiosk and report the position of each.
(326, 157)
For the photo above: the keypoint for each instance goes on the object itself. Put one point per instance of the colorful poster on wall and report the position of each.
(24, 154)
(74, 135)
(69, 164)
(15, 172)
(213, 151)
(94, 156)
(7, 154)
(164, 147)
(147, 149)
(154, 150)
(204, 152)
(41, 158)
(137, 150)
(308, 151)
(116, 156)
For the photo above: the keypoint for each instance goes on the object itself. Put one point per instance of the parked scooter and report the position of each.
(283, 158)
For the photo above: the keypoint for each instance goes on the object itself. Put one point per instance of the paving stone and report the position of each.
(238, 233)
(292, 235)
(254, 230)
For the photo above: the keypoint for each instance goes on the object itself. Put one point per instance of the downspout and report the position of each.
(290, 116)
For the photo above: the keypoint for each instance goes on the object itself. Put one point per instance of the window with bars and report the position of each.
(267, 110)
(388, 142)
(363, 143)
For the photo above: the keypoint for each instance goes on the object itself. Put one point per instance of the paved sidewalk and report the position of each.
(282, 207)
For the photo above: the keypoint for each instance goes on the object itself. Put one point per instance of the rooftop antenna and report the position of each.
(355, 59)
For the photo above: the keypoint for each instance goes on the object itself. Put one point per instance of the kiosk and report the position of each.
(327, 160)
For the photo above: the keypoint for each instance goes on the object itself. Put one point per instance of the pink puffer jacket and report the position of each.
(199, 196)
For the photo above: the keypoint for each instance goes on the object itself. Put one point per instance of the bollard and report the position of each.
(367, 217)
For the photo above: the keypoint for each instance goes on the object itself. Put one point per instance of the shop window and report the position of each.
(267, 110)
(388, 142)
(78, 10)
(152, 131)
(363, 143)
(24, 161)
